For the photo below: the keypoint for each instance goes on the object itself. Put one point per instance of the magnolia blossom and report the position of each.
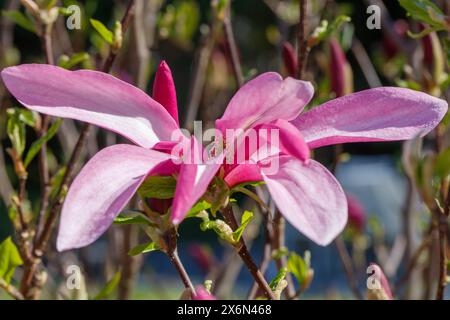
(306, 193)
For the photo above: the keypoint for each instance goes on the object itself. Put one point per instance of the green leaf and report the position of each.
(30, 118)
(16, 132)
(110, 286)
(325, 30)
(247, 216)
(299, 266)
(425, 11)
(280, 276)
(158, 187)
(197, 208)
(137, 219)
(106, 34)
(442, 165)
(144, 248)
(9, 259)
(20, 19)
(279, 253)
(37, 145)
(70, 62)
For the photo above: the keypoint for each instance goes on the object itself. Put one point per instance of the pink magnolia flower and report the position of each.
(110, 179)
(306, 193)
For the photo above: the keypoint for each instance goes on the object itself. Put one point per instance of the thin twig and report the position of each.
(302, 39)
(201, 64)
(11, 290)
(278, 243)
(348, 266)
(232, 47)
(175, 260)
(413, 261)
(243, 252)
(267, 254)
(46, 39)
(365, 64)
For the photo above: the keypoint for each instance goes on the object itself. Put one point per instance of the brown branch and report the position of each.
(267, 254)
(202, 60)
(413, 261)
(279, 226)
(11, 290)
(243, 252)
(175, 260)
(232, 47)
(302, 42)
(348, 266)
(443, 227)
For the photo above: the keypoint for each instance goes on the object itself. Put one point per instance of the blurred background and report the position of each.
(387, 218)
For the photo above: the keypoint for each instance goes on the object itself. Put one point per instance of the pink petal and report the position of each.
(101, 190)
(243, 173)
(309, 197)
(381, 114)
(383, 281)
(193, 180)
(202, 294)
(93, 97)
(264, 99)
(164, 90)
(290, 139)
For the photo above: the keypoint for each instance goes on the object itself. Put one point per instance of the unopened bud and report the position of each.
(290, 59)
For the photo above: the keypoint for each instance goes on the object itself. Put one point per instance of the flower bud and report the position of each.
(202, 256)
(290, 59)
(202, 294)
(356, 213)
(377, 285)
(164, 90)
(340, 71)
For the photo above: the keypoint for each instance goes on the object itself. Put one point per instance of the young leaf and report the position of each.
(198, 207)
(37, 145)
(425, 11)
(20, 19)
(280, 276)
(158, 187)
(9, 259)
(137, 219)
(70, 62)
(325, 30)
(16, 132)
(442, 165)
(299, 267)
(143, 248)
(247, 216)
(106, 34)
(110, 286)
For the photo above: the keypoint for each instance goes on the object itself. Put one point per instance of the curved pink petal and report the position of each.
(380, 114)
(243, 173)
(309, 197)
(264, 99)
(164, 90)
(193, 181)
(101, 190)
(93, 97)
(288, 139)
